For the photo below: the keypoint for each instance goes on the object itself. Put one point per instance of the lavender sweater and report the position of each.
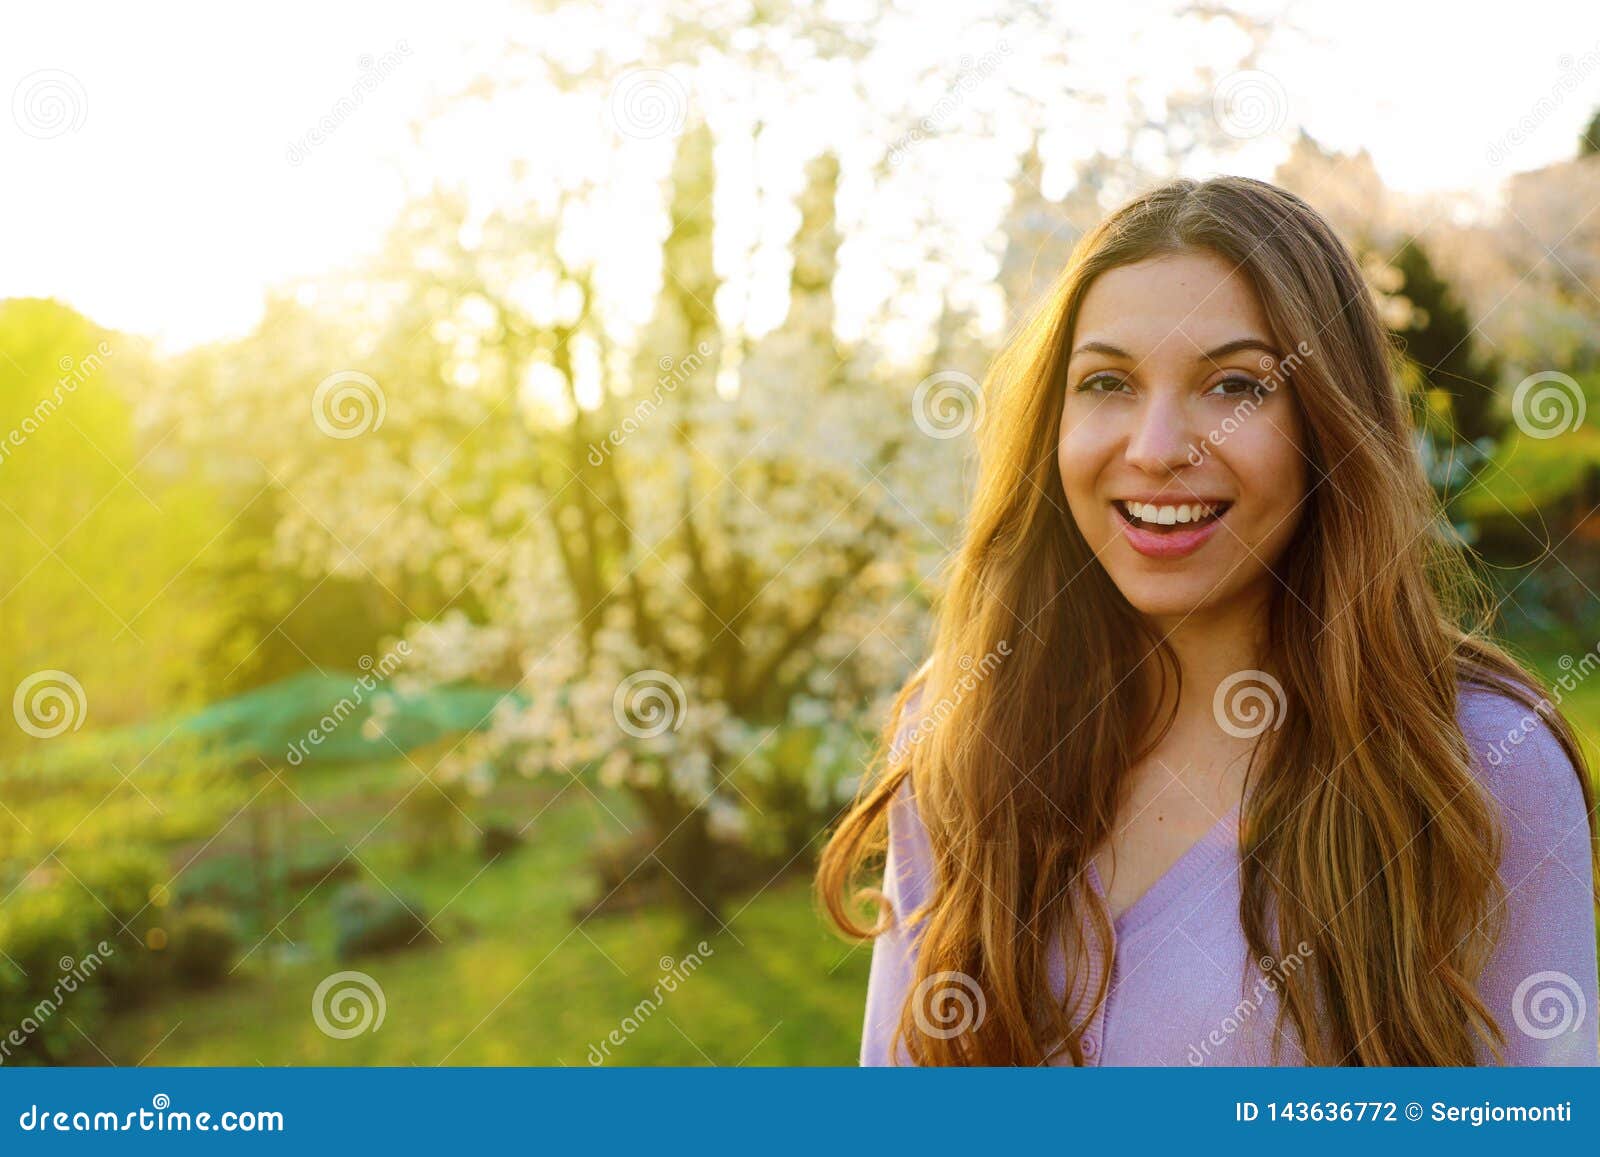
(1183, 988)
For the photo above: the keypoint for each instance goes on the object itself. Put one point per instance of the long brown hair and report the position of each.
(1365, 835)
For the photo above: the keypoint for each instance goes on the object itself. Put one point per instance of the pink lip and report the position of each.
(1169, 544)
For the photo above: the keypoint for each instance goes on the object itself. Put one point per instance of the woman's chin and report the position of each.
(1170, 599)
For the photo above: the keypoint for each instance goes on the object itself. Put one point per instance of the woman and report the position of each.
(1213, 762)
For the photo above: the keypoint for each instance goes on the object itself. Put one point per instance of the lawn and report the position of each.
(506, 975)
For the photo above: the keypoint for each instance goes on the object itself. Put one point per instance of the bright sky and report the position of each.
(150, 182)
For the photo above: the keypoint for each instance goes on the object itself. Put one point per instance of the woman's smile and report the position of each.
(1169, 530)
(1181, 458)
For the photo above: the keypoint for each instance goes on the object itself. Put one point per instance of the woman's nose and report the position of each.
(1161, 437)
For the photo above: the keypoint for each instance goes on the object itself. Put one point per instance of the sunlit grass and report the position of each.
(517, 980)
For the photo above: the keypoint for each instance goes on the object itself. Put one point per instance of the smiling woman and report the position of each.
(1168, 348)
(1228, 799)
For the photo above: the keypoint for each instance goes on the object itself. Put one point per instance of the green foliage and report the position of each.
(101, 794)
(71, 950)
(1527, 475)
(499, 839)
(1589, 141)
(43, 935)
(373, 919)
(203, 942)
(97, 539)
(1438, 339)
(523, 987)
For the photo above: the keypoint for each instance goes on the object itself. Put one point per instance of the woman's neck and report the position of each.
(1211, 645)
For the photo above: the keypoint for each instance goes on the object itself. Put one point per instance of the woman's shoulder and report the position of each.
(909, 847)
(1543, 968)
(1518, 756)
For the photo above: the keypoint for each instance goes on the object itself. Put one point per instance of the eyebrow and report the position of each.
(1211, 355)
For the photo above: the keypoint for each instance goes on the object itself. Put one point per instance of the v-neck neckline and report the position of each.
(1221, 838)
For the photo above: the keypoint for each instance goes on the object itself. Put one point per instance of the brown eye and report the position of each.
(1239, 386)
(1092, 383)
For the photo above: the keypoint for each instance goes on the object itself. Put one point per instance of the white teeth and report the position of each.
(1169, 515)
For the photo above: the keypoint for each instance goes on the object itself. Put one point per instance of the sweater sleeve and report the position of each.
(1540, 982)
(908, 875)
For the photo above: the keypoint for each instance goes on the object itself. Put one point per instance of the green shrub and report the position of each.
(121, 885)
(498, 839)
(369, 919)
(55, 950)
(431, 820)
(202, 944)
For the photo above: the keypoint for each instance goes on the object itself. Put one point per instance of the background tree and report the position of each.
(1438, 336)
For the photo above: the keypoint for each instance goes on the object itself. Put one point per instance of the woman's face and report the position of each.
(1180, 448)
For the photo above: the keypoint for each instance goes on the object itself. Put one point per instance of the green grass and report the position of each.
(513, 978)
